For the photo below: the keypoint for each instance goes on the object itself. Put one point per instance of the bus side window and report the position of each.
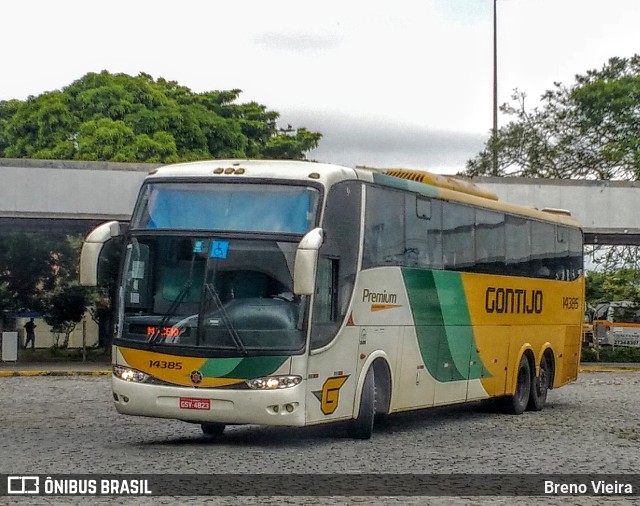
(490, 245)
(576, 257)
(458, 247)
(601, 311)
(562, 258)
(423, 235)
(137, 276)
(543, 251)
(384, 241)
(517, 246)
(326, 306)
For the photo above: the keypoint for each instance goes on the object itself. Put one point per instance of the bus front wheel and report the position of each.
(517, 403)
(212, 428)
(362, 426)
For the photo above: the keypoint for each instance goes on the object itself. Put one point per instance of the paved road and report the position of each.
(68, 425)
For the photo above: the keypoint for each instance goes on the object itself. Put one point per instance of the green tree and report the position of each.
(594, 290)
(120, 118)
(613, 258)
(5, 297)
(26, 271)
(291, 146)
(31, 265)
(104, 139)
(586, 130)
(8, 109)
(66, 307)
(621, 284)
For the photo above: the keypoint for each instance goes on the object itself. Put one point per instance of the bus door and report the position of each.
(415, 386)
(488, 369)
(333, 342)
(333, 352)
(437, 348)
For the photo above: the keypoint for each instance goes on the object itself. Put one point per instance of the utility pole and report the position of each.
(494, 143)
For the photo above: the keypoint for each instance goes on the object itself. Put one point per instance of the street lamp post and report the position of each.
(494, 143)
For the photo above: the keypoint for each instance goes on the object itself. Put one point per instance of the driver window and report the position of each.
(337, 262)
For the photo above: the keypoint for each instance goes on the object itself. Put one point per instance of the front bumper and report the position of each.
(263, 407)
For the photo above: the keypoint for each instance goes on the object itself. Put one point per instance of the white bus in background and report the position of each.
(617, 323)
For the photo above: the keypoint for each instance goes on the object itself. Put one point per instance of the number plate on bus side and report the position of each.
(193, 403)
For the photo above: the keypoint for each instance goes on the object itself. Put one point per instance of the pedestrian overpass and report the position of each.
(74, 196)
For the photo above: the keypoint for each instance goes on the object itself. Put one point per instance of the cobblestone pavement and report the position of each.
(57, 425)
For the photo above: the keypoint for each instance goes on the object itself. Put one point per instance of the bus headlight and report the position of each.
(128, 374)
(274, 382)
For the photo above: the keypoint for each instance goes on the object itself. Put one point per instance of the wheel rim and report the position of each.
(523, 379)
(542, 382)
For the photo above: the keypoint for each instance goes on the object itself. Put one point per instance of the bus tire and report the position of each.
(362, 426)
(213, 428)
(517, 403)
(540, 387)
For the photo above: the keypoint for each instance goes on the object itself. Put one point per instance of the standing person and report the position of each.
(30, 328)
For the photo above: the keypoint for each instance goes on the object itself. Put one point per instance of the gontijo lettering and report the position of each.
(513, 300)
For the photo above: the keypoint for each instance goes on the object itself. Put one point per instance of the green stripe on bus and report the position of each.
(219, 367)
(429, 322)
(443, 325)
(457, 322)
(253, 367)
(242, 368)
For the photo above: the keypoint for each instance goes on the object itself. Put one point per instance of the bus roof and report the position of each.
(422, 182)
(249, 168)
(459, 190)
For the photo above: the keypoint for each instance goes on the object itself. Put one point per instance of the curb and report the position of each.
(608, 368)
(11, 374)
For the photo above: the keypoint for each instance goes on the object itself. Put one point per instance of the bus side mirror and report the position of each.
(92, 247)
(304, 268)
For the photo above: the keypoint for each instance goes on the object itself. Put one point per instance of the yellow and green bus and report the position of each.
(298, 293)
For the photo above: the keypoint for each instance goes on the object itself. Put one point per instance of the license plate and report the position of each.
(193, 403)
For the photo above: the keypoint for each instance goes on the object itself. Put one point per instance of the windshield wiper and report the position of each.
(225, 318)
(157, 333)
(154, 338)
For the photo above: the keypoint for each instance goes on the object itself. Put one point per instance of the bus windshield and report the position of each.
(231, 295)
(625, 312)
(238, 207)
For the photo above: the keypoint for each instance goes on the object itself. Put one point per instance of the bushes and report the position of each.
(53, 354)
(615, 354)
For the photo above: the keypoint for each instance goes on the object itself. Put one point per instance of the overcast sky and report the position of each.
(389, 84)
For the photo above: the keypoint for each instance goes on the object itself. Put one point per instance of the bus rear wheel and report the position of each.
(213, 428)
(540, 387)
(362, 426)
(517, 403)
